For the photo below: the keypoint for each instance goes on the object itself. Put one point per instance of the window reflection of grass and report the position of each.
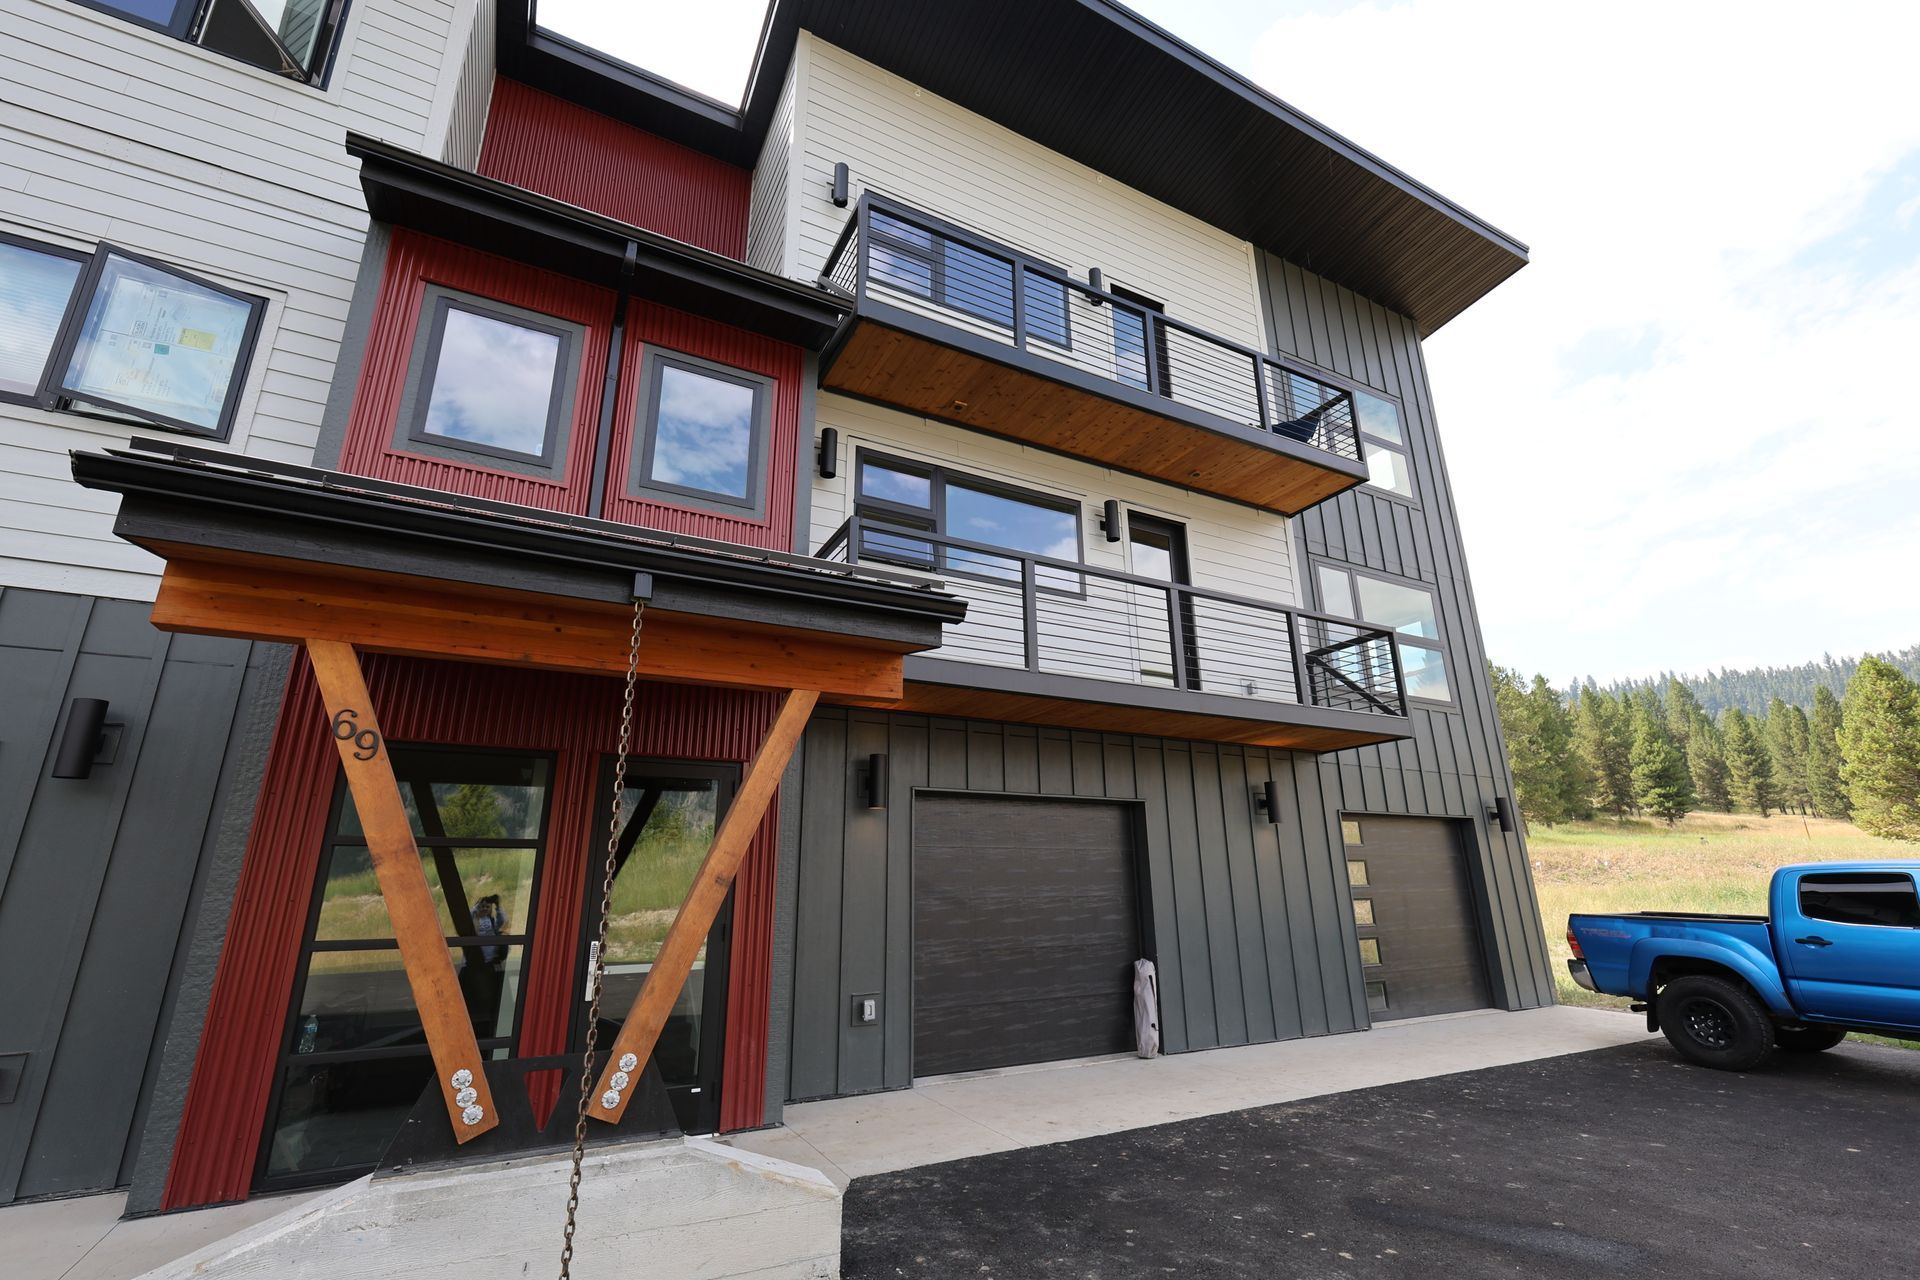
(353, 908)
(651, 888)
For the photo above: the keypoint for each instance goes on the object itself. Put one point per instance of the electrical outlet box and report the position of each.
(866, 1011)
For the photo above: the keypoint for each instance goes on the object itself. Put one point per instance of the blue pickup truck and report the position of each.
(1839, 951)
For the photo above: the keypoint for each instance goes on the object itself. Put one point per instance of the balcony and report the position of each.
(953, 326)
(1055, 642)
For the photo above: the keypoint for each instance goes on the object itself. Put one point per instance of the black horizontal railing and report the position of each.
(1063, 618)
(897, 254)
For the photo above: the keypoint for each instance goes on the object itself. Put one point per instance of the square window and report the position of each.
(1376, 997)
(36, 285)
(1363, 911)
(1356, 872)
(159, 344)
(1350, 832)
(1408, 610)
(702, 434)
(1369, 951)
(1387, 469)
(1426, 673)
(1378, 417)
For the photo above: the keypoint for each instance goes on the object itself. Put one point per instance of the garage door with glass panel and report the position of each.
(1026, 926)
(1414, 917)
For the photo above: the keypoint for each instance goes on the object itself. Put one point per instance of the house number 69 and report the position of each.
(346, 727)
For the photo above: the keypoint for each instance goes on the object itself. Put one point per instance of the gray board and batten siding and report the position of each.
(1249, 921)
(101, 878)
(1455, 763)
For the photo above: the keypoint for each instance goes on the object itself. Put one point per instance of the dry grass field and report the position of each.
(1709, 862)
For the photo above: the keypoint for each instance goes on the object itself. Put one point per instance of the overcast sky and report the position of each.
(1680, 438)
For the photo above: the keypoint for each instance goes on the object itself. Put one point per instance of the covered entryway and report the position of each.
(1026, 927)
(1413, 905)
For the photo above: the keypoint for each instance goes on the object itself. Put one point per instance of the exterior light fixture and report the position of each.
(1500, 812)
(1266, 799)
(1096, 281)
(840, 185)
(876, 780)
(81, 742)
(1110, 519)
(827, 461)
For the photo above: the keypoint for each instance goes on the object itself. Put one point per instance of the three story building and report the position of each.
(1041, 397)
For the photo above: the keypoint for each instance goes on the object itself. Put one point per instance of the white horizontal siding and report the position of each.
(770, 210)
(903, 141)
(110, 132)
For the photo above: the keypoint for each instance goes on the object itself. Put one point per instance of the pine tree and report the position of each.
(1661, 783)
(1683, 713)
(1601, 737)
(1824, 786)
(1786, 739)
(1707, 762)
(1547, 783)
(1749, 765)
(1880, 750)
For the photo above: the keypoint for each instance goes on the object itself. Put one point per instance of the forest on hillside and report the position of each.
(1854, 753)
(1752, 689)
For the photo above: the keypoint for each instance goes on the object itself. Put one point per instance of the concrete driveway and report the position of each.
(1616, 1162)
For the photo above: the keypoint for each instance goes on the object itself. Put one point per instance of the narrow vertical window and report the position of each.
(36, 286)
(702, 434)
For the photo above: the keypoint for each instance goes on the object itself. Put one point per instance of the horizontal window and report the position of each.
(122, 334)
(291, 38)
(956, 274)
(912, 496)
(1872, 898)
(702, 434)
(1407, 610)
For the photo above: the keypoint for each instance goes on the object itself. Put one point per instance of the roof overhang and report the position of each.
(410, 190)
(1094, 81)
(272, 552)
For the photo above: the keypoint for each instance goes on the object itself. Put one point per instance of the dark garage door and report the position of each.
(1026, 927)
(1413, 905)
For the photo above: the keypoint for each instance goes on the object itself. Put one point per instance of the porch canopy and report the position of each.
(344, 564)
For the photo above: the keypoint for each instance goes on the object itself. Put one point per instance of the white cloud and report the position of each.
(1679, 437)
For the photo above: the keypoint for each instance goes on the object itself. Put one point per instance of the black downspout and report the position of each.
(609, 393)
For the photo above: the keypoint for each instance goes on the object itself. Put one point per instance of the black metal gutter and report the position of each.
(410, 190)
(327, 519)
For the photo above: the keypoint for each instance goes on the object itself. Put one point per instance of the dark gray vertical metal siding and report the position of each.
(97, 876)
(1456, 762)
(1249, 920)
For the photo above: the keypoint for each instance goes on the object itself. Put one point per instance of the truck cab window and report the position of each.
(1876, 898)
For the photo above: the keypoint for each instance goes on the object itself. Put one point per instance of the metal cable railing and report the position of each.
(1061, 618)
(914, 261)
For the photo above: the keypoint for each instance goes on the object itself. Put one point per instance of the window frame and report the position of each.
(55, 396)
(37, 397)
(935, 512)
(190, 19)
(284, 1056)
(931, 257)
(645, 436)
(423, 370)
(1437, 644)
(1399, 447)
(1832, 879)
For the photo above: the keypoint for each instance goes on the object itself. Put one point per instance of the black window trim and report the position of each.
(934, 514)
(1401, 446)
(36, 398)
(646, 433)
(1828, 880)
(283, 1055)
(423, 372)
(190, 18)
(55, 396)
(1437, 644)
(936, 263)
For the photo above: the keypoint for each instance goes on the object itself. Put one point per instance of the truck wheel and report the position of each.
(1715, 1023)
(1808, 1039)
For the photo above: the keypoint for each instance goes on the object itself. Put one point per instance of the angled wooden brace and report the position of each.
(655, 1000)
(457, 1065)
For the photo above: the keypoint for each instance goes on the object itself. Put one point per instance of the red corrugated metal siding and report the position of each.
(576, 718)
(652, 325)
(535, 140)
(415, 260)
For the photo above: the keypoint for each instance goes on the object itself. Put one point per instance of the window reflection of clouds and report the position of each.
(704, 435)
(894, 486)
(493, 383)
(34, 288)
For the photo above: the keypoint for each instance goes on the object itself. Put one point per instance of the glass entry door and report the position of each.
(668, 814)
(1157, 549)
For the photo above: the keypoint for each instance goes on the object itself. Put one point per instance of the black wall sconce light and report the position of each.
(81, 743)
(840, 184)
(876, 780)
(1110, 519)
(1500, 812)
(1096, 281)
(1266, 799)
(827, 461)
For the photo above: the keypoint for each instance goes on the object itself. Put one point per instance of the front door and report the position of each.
(1157, 549)
(668, 814)
(1851, 941)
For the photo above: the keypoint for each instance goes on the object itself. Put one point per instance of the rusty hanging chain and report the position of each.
(599, 950)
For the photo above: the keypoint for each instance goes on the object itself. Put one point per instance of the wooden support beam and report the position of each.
(457, 1064)
(688, 933)
(384, 614)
